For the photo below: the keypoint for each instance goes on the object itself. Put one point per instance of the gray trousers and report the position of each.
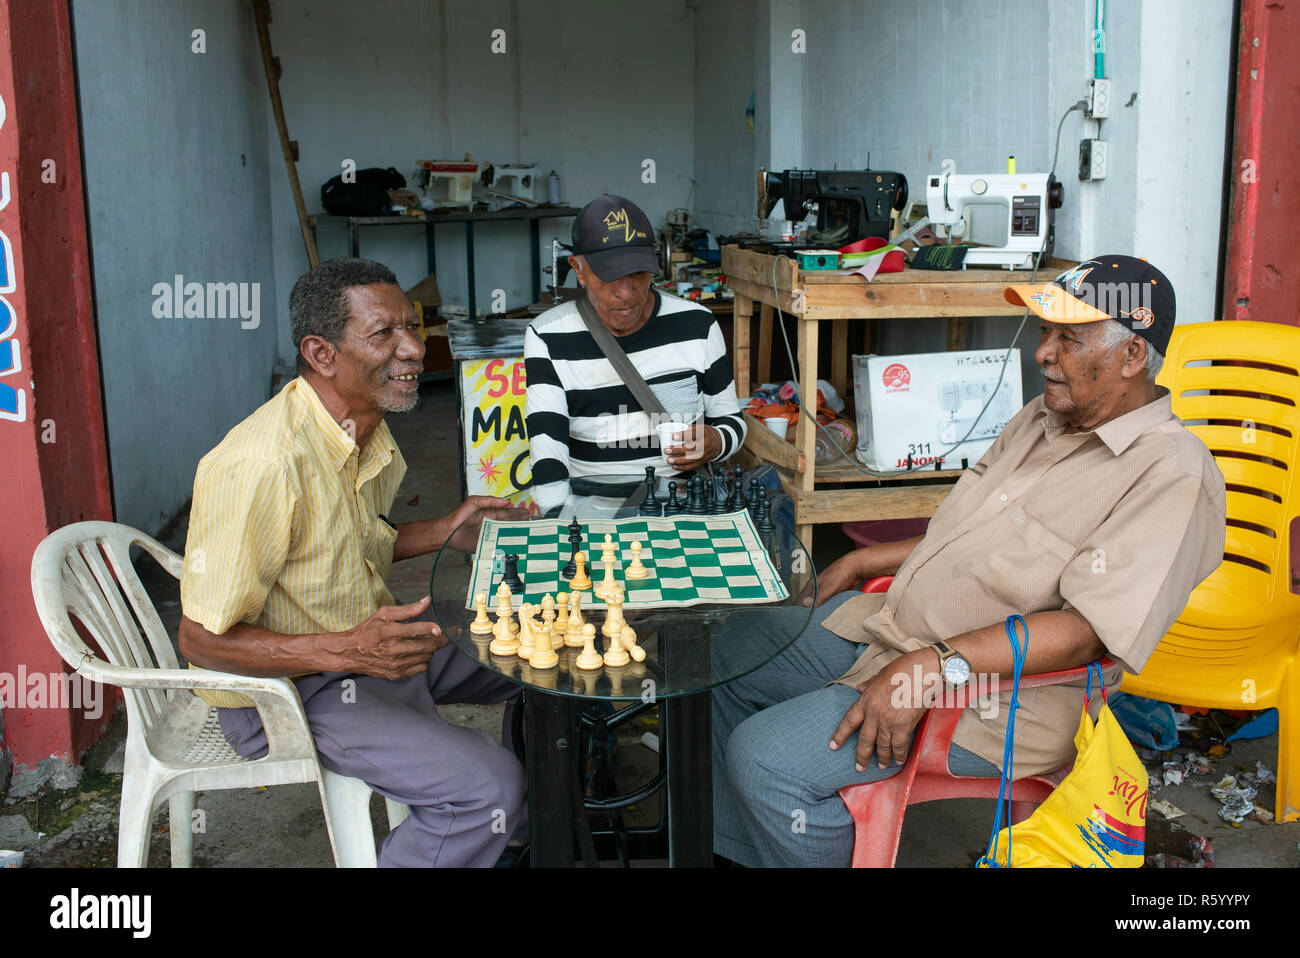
(775, 780)
(466, 793)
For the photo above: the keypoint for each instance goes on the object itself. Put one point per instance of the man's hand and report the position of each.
(882, 727)
(389, 645)
(699, 444)
(464, 523)
(841, 575)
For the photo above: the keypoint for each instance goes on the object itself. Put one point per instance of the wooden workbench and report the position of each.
(838, 492)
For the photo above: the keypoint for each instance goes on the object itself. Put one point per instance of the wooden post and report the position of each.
(806, 434)
(841, 361)
(262, 11)
(765, 343)
(743, 312)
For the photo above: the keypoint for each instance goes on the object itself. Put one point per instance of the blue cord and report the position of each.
(1018, 652)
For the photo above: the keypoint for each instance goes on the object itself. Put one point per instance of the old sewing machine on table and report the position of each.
(712, 584)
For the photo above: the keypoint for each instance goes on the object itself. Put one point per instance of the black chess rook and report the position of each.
(511, 576)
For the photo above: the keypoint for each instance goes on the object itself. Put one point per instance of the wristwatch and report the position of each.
(955, 669)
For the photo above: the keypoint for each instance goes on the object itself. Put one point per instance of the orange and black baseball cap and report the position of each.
(1124, 288)
(615, 237)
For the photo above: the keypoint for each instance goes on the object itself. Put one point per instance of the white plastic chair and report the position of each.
(174, 743)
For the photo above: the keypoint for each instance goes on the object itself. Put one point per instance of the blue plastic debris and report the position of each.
(1146, 721)
(1261, 725)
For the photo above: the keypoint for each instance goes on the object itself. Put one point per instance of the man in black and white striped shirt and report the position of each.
(583, 420)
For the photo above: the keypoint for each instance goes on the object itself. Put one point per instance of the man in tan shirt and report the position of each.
(1093, 515)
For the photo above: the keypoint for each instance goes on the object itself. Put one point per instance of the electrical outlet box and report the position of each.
(1098, 99)
(1092, 159)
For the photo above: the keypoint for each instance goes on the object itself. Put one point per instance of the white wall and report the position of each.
(1184, 83)
(587, 88)
(913, 84)
(176, 182)
(727, 152)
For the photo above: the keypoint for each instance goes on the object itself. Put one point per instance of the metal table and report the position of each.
(533, 214)
(688, 652)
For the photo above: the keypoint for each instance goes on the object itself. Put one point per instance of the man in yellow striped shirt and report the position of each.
(288, 548)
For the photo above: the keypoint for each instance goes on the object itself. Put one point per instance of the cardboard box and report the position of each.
(426, 293)
(921, 405)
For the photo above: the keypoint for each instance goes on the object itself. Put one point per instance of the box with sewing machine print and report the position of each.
(918, 406)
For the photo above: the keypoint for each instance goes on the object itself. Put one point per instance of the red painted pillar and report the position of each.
(52, 444)
(1262, 274)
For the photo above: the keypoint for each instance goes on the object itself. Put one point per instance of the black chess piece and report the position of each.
(736, 493)
(511, 576)
(650, 505)
(763, 522)
(754, 495)
(716, 507)
(575, 546)
(673, 506)
(696, 504)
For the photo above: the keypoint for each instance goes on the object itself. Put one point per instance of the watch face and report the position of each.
(956, 671)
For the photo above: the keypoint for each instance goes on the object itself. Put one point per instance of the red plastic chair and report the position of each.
(878, 807)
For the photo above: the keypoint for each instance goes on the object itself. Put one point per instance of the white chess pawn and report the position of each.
(562, 610)
(628, 638)
(636, 570)
(481, 625)
(590, 658)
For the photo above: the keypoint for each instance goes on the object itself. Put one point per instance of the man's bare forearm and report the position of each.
(885, 558)
(1057, 640)
(252, 650)
(420, 537)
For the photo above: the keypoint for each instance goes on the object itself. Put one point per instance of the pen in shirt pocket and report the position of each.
(388, 522)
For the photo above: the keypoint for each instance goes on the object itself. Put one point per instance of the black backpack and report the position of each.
(368, 196)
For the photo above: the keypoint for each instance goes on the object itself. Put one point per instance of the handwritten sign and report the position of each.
(496, 441)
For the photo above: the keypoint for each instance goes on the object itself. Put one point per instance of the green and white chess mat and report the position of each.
(691, 560)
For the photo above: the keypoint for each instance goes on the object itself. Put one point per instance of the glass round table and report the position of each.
(721, 597)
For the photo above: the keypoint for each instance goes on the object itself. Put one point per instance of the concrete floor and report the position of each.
(283, 826)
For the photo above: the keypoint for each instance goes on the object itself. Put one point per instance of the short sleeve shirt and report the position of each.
(1119, 523)
(287, 527)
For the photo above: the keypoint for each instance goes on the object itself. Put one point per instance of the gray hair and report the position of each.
(1115, 334)
(318, 305)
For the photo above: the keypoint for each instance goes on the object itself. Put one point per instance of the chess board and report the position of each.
(691, 560)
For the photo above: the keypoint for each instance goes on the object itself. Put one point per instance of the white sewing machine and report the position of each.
(507, 185)
(449, 182)
(1027, 200)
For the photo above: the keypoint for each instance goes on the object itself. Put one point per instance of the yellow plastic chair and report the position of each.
(1236, 385)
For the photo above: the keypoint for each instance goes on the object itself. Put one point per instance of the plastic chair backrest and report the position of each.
(1236, 385)
(85, 569)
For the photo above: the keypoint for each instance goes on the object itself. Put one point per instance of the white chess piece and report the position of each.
(628, 638)
(590, 658)
(573, 631)
(481, 625)
(636, 570)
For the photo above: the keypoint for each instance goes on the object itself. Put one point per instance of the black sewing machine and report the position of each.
(859, 200)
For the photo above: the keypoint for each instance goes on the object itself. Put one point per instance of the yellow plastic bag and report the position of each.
(1096, 817)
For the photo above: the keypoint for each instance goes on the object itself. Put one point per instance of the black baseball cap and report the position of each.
(1123, 288)
(615, 237)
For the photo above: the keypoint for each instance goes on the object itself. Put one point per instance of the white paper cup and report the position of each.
(666, 431)
(778, 424)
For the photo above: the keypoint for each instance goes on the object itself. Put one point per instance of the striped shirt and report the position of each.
(583, 420)
(286, 529)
